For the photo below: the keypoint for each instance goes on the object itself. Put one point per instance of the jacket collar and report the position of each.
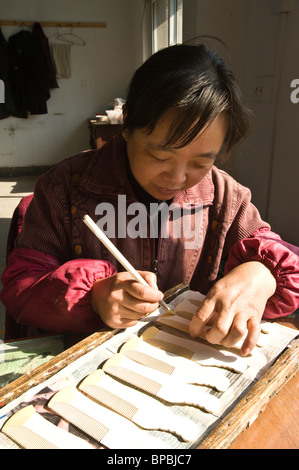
(106, 174)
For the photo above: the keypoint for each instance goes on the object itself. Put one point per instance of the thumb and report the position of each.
(201, 317)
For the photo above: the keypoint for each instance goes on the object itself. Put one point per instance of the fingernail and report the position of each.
(246, 352)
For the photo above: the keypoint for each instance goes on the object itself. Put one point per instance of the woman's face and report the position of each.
(162, 171)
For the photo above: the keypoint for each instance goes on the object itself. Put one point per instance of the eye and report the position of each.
(201, 167)
(157, 159)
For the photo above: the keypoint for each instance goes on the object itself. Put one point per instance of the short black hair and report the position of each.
(194, 82)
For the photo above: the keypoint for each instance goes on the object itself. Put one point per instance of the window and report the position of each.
(167, 23)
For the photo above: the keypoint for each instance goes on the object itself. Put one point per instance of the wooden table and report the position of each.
(277, 427)
(272, 401)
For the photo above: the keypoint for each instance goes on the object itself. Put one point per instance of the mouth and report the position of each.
(169, 191)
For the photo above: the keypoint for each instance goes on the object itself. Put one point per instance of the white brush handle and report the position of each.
(117, 254)
(112, 248)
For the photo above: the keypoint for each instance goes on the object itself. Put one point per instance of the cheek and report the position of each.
(195, 176)
(142, 169)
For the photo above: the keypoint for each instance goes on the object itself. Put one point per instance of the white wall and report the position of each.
(224, 19)
(105, 63)
(268, 162)
(283, 207)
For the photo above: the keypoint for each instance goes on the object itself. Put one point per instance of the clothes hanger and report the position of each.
(54, 34)
(77, 42)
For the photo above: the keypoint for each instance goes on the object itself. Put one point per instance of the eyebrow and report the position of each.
(209, 155)
(164, 148)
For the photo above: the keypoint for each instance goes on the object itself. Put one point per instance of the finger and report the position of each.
(150, 278)
(237, 331)
(135, 308)
(254, 329)
(220, 327)
(130, 306)
(142, 292)
(123, 317)
(120, 322)
(203, 315)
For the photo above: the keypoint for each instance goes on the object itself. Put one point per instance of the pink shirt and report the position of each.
(51, 271)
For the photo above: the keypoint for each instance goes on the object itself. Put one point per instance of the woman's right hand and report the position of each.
(121, 301)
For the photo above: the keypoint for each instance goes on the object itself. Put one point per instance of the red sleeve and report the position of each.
(281, 258)
(39, 291)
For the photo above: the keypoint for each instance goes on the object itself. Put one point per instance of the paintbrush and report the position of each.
(119, 256)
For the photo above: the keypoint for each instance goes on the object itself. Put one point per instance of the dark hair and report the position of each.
(197, 84)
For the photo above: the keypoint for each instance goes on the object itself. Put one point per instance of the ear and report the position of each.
(125, 112)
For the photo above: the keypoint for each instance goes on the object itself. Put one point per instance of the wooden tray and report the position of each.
(221, 437)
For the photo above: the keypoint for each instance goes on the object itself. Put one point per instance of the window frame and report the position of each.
(174, 17)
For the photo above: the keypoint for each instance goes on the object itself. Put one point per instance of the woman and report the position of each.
(183, 113)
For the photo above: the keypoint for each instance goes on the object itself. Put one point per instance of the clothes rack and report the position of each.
(55, 24)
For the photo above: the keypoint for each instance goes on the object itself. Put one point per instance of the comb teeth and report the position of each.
(201, 353)
(107, 398)
(88, 424)
(172, 391)
(176, 366)
(28, 438)
(31, 431)
(139, 381)
(99, 422)
(147, 412)
(172, 348)
(149, 361)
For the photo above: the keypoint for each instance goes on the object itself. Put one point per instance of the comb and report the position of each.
(102, 424)
(175, 366)
(141, 409)
(31, 431)
(203, 354)
(159, 385)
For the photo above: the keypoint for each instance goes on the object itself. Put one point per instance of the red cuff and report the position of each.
(281, 258)
(40, 292)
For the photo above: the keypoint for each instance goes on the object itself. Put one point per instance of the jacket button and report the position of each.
(78, 249)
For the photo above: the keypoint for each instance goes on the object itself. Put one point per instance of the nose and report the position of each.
(175, 177)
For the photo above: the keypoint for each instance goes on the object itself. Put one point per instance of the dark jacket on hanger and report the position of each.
(29, 74)
(8, 107)
(42, 38)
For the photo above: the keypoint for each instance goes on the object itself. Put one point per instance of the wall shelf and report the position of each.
(55, 24)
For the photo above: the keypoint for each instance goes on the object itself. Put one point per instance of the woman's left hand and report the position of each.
(235, 305)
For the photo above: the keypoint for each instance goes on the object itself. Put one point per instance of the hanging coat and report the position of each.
(42, 38)
(8, 107)
(29, 74)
